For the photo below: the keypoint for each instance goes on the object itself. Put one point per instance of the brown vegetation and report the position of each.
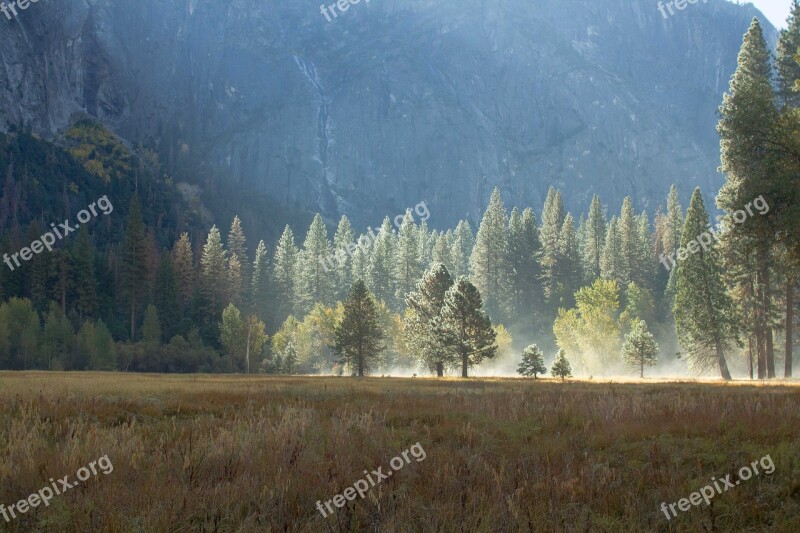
(226, 453)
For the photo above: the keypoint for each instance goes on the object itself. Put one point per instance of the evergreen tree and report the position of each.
(747, 119)
(561, 367)
(183, 262)
(407, 266)
(151, 328)
(343, 246)
(704, 313)
(214, 275)
(488, 269)
(629, 240)
(360, 268)
(425, 242)
(612, 262)
(105, 357)
(359, 338)
(85, 280)
(639, 349)
(786, 61)
(133, 269)
(595, 241)
(465, 327)
(645, 270)
(167, 297)
(57, 341)
(260, 290)
(237, 247)
(441, 251)
(552, 220)
(523, 264)
(532, 362)
(423, 311)
(569, 263)
(233, 280)
(382, 259)
(461, 248)
(40, 271)
(316, 285)
(285, 273)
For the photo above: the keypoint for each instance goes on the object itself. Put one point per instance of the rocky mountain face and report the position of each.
(392, 102)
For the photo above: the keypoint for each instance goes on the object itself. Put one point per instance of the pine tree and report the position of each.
(133, 269)
(151, 328)
(639, 349)
(407, 266)
(285, 273)
(552, 220)
(183, 262)
(57, 341)
(359, 338)
(532, 362)
(316, 285)
(747, 118)
(85, 280)
(465, 327)
(629, 240)
(561, 367)
(569, 263)
(167, 297)
(423, 310)
(704, 313)
(382, 258)
(214, 275)
(233, 283)
(786, 61)
(595, 241)
(488, 269)
(237, 247)
(424, 245)
(461, 248)
(441, 251)
(40, 271)
(612, 262)
(360, 267)
(343, 247)
(645, 271)
(523, 265)
(260, 289)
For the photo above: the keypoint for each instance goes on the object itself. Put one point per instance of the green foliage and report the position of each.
(424, 309)
(359, 338)
(561, 367)
(591, 330)
(464, 326)
(639, 349)
(532, 362)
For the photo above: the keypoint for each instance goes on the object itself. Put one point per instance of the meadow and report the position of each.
(252, 453)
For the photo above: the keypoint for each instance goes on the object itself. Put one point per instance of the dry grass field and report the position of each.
(235, 453)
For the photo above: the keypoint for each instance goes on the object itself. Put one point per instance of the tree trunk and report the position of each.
(641, 369)
(762, 361)
(770, 355)
(133, 315)
(464, 365)
(765, 308)
(723, 365)
(247, 352)
(440, 369)
(750, 353)
(787, 371)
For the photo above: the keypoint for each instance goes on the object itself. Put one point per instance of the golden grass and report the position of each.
(237, 453)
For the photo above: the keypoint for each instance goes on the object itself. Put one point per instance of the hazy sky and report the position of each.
(775, 10)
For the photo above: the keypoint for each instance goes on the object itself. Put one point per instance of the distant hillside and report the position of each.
(391, 103)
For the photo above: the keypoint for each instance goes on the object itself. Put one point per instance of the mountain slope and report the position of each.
(391, 103)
